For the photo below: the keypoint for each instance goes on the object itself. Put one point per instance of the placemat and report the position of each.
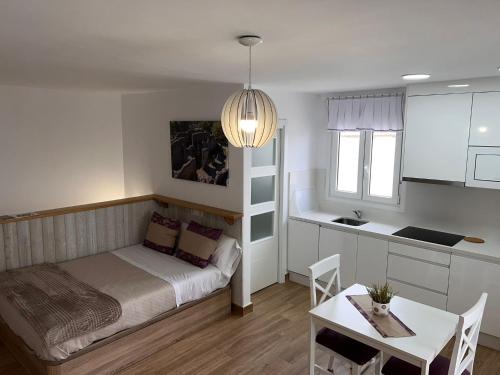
(387, 326)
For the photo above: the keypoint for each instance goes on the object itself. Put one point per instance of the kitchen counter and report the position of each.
(488, 251)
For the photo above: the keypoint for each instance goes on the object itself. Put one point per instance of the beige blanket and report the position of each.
(55, 304)
(141, 295)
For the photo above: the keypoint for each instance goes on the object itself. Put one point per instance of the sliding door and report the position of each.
(264, 214)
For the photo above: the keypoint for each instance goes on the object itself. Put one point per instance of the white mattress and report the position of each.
(190, 282)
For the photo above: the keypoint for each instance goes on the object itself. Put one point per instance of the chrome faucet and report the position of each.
(358, 213)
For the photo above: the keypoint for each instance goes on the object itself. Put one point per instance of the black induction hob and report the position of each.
(427, 235)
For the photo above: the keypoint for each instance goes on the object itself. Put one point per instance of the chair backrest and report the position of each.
(330, 264)
(464, 350)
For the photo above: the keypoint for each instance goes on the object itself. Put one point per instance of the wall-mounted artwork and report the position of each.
(199, 152)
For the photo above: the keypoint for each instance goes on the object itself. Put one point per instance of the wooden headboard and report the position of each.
(72, 232)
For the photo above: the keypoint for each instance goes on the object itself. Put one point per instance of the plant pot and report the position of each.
(381, 309)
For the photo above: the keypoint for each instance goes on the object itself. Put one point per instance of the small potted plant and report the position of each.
(381, 296)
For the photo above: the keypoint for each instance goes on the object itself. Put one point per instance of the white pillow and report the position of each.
(227, 255)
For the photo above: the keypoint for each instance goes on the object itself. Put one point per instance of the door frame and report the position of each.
(283, 203)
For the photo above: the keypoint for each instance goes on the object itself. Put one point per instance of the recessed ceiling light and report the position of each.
(459, 85)
(415, 77)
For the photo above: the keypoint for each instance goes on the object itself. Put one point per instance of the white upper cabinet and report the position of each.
(485, 120)
(437, 137)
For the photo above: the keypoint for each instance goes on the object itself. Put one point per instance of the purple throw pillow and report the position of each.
(162, 234)
(198, 243)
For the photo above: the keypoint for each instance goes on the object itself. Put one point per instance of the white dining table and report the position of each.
(433, 328)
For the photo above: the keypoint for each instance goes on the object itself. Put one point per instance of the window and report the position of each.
(365, 165)
(348, 161)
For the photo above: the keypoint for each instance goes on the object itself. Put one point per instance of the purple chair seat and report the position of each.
(351, 349)
(396, 366)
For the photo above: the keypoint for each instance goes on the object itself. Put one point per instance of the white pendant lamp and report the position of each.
(249, 117)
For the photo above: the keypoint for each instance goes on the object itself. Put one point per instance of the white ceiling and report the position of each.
(309, 45)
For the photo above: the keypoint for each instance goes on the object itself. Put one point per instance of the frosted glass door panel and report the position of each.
(262, 226)
(264, 156)
(262, 189)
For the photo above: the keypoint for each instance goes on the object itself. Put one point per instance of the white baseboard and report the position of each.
(489, 341)
(299, 279)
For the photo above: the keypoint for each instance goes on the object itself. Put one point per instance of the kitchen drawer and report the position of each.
(419, 253)
(418, 273)
(419, 295)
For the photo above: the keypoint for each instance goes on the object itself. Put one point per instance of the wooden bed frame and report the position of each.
(129, 346)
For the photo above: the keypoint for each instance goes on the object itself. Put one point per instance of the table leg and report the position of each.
(312, 348)
(424, 368)
(380, 363)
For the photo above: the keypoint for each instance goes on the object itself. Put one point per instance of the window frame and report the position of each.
(364, 170)
(335, 141)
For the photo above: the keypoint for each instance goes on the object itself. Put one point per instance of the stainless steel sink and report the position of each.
(349, 221)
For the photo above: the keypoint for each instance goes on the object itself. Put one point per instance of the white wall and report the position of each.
(467, 211)
(147, 159)
(305, 115)
(146, 142)
(58, 148)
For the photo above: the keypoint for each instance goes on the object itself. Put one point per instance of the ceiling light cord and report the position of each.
(250, 68)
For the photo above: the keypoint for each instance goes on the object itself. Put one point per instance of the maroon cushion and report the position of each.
(349, 348)
(198, 244)
(162, 233)
(396, 366)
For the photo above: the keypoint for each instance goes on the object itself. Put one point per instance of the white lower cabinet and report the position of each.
(371, 263)
(332, 242)
(302, 246)
(468, 279)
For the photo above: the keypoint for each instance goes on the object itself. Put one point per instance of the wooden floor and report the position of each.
(271, 340)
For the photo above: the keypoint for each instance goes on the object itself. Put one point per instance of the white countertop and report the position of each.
(488, 251)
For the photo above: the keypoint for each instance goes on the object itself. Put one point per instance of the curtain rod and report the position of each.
(381, 95)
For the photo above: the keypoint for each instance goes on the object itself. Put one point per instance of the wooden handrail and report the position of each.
(229, 216)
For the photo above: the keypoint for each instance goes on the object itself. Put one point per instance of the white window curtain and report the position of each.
(383, 112)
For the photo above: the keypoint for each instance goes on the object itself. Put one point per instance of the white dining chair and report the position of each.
(464, 350)
(352, 352)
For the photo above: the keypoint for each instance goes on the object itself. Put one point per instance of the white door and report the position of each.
(264, 214)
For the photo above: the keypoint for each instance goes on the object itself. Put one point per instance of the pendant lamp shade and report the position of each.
(249, 118)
